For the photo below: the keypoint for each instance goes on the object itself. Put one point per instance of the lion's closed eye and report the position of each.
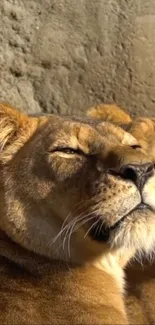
(136, 146)
(68, 150)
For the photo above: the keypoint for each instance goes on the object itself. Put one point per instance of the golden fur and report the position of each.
(110, 113)
(69, 220)
(140, 293)
(142, 128)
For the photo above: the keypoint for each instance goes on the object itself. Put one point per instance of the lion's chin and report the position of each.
(134, 230)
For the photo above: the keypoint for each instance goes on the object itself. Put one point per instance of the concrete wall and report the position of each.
(67, 55)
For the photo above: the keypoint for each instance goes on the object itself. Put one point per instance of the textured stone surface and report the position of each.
(67, 55)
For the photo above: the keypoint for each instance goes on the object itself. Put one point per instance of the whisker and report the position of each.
(73, 221)
(72, 229)
(63, 227)
(90, 228)
(71, 226)
(66, 230)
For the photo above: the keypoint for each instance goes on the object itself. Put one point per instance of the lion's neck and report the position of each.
(41, 239)
(35, 263)
(43, 235)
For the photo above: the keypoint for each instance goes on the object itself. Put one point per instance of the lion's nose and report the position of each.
(139, 174)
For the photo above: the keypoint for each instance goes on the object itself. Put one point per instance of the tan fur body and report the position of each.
(140, 299)
(58, 178)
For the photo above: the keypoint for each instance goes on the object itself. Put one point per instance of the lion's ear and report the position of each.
(11, 124)
(15, 129)
(111, 113)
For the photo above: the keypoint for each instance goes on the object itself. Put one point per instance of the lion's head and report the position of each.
(74, 188)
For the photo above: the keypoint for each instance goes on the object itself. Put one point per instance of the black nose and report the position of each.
(139, 174)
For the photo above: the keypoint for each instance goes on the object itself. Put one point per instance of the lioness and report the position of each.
(75, 206)
(140, 298)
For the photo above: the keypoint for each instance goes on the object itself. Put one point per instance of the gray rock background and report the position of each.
(67, 55)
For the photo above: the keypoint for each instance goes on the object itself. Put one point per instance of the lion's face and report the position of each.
(76, 187)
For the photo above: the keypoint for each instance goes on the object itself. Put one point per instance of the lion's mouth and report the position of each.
(102, 232)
